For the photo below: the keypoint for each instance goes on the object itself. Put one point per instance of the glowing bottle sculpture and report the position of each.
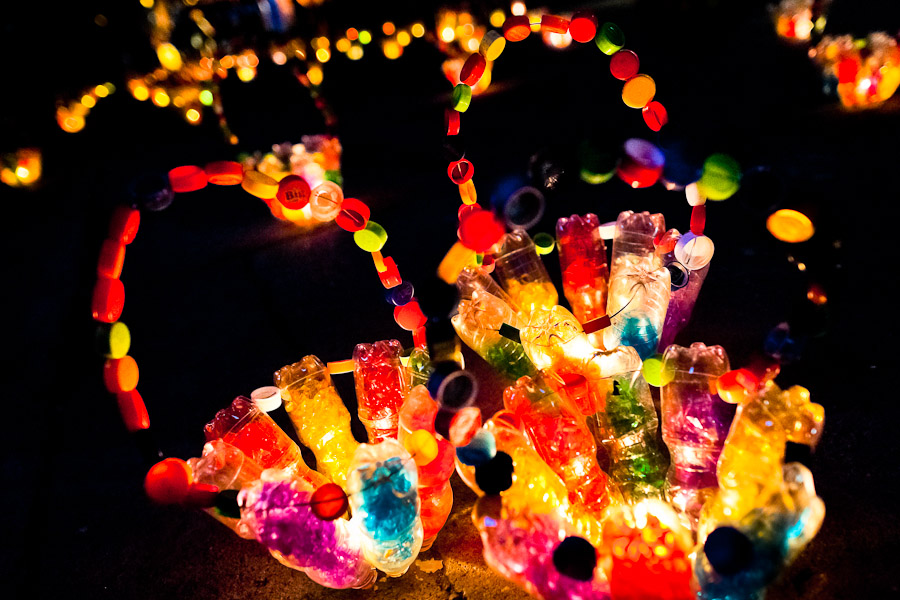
(639, 285)
(277, 510)
(562, 439)
(254, 433)
(321, 420)
(582, 258)
(381, 387)
(478, 323)
(695, 422)
(522, 274)
(435, 494)
(382, 486)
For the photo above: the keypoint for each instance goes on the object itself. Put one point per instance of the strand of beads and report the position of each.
(324, 202)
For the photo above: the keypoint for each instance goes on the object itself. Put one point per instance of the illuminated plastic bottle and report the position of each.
(695, 422)
(227, 468)
(522, 274)
(536, 487)
(435, 494)
(520, 547)
(777, 530)
(382, 486)
(582, 258)
(381, 387)
(562, 439)
(750, 466)
(418, 367)
(321, 420)
(474, 278)
(277, 510)
(554, 339)
(255, 434)
(649, 550)
(684, 292)
(624, 421)
(639, 285)
(478, 324)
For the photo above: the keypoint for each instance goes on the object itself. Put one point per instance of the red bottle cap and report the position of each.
(516, 28)
(390, 276)
(554, 24)
(124, 223)
(168, 481)
(187, 178)
(460, 171)
(329, 502)
(480, 230)
(624, 64)
(224, 172)
(293, 192)
(698, 219)
(452, 120)
(655, 115)
(112, 259)
(108, 300)
(410, 316)
(583, 27)
(133, 411)
(472, 69)
(353, 216)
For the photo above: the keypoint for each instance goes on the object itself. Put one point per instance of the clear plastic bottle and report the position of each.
(478, 322)
(227, 468)
(381, 387)
(695, 423)
(382, 487)
(321, 420)
(255, 434)
(522, 274)
(435, 494)
(277, 510)
(582, 259)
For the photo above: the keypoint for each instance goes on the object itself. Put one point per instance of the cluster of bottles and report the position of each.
(578, 497)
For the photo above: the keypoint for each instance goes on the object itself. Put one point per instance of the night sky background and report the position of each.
(219, 294)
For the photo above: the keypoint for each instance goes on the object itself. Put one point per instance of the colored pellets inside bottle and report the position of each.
(639, 333)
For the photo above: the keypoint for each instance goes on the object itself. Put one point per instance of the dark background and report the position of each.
(219, 294)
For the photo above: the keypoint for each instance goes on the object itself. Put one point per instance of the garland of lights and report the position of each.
(645, 547)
